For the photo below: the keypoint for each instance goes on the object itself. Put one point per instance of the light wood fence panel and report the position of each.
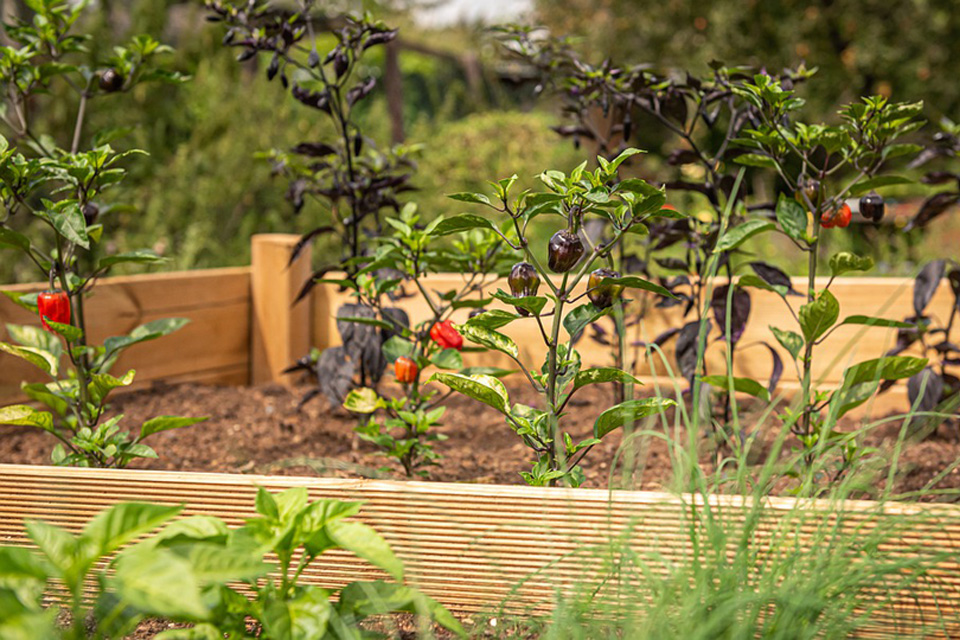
(475, 547)
(213, 348)
(883, 297)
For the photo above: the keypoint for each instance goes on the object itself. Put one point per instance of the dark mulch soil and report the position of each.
(262, 430)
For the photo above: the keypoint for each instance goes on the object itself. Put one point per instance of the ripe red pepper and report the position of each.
(843, 215)
(446, 336)
(405, 370)
(827, 221)
(53, 305)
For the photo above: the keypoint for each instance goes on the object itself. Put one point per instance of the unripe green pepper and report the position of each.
(524, 281)
(603, 295)
(565, 251)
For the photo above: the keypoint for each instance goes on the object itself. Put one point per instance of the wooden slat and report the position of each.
(214, 347)
(474, 547)
(281, 329)
(883, 297)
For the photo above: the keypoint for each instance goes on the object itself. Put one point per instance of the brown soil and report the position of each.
(262, 430)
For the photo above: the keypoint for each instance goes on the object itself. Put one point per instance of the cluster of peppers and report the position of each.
(444, 335)
(564, 252)
(872, 208)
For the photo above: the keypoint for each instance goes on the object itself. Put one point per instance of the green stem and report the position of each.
(552, 418)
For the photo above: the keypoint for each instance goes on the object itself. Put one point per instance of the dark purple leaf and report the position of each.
(774, 276)
(738, 315)
(939, 177)
(305, 240)
(361, 91)
(932, 207)
(906, 337)
(954, 278)
(777, 369)
(273, 67)
(687, 349)
(314, 149)
(926, 283)
(946, 347)
(932, 385)
(310, 284)
(340, 64)
(335, 371)
(379, 37)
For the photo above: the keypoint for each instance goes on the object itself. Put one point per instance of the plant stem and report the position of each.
(808, 347)
(552, 410)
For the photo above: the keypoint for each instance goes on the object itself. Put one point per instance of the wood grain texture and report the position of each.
(881, 297)
(214, 346)
(477, 547)
(280, 329)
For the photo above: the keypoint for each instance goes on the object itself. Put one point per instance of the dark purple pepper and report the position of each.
(524, 281)
(90, 213)
(872, 206)
(111, 80)
(603, 295)
(565, 251)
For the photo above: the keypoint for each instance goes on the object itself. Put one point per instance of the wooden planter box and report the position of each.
(244, 329)
(480, 547)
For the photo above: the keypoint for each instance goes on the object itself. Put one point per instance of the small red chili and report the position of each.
(827, 221)
(405, 370)
(446, 336)
(843, 215)
(53, 305)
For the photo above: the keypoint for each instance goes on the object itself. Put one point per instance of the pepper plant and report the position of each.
(345, 173)
(64, 184)
(693, 121)
(822, 166)
(628, 206)
(404, 426)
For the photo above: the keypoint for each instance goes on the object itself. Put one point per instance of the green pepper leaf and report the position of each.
(101, 384)
(363, 400)
(733, 238)
(489, 338)
(533, 304)
(789, 340)
(845, 262)
(742, 385)
(484, 388)
(818, 316)
(462, 222)
(43, 360)
(26, 416)
(579, 317)
(633, 282)
(602, 374)
(166, 423)
(628, 411)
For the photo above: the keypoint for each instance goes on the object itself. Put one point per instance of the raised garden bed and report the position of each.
(478, 547)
